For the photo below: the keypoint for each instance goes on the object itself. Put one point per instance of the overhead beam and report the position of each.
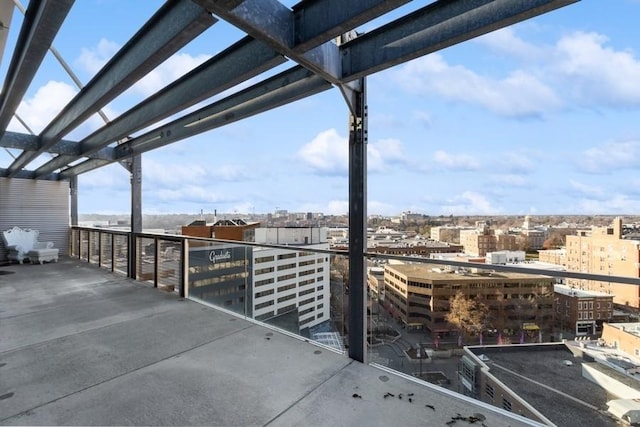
(27, 142)
(304, 38)
(284, 88)
(27, 174)
(174, 25)
(321, 20)
(434, 27)
(240, 62)
(42, 20)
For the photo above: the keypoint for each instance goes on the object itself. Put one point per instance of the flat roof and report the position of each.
(581, 293)
(436, 272)
(540, 376)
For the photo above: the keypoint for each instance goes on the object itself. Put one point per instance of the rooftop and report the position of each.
(540, 375)
(82, 346)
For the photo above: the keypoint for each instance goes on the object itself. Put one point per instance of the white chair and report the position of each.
(22, 243)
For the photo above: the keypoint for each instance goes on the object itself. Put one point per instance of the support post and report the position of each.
(136, 212)
(73, 193)
(357, 221)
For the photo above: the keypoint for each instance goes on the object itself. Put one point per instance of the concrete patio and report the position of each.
(82, 346)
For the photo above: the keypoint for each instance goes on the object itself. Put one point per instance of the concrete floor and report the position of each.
(82, 346)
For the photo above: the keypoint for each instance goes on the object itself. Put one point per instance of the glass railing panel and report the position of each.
(84, 244)
(219, 274)
(169, 264)
(145, 258)
(121, 253)
(106, 250)
(290, 289)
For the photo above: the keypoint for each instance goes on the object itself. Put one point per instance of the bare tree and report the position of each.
(469, 315)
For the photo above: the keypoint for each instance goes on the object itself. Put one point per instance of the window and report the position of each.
(286, 298)
(506, 404)
(286, 256)
(264, 304)
(590, 305)
(264, 293)
(579, 305)
(489, 390)
(580, 315)
(264, 259)
(264, 282)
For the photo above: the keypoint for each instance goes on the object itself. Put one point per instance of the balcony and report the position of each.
(82, 345)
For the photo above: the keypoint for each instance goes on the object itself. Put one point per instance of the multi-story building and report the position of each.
(291, 282)
(582, 312)
(287, 287)
(478, 241)
(605, 251)
(447, 233)
(553, 256)
(420, 293)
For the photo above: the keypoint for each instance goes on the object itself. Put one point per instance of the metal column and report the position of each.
(136, 211)
(357, 221)
(73, 193)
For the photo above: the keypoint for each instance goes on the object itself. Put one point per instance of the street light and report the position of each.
(420, 354)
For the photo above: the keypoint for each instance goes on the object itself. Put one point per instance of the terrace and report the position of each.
(81, 345)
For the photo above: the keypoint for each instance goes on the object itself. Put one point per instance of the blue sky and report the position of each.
(538, 118)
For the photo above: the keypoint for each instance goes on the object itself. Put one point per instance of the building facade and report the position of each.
(420, 294)
(582, 312)
(605, 251)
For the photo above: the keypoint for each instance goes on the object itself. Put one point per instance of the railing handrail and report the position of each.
(373, 255)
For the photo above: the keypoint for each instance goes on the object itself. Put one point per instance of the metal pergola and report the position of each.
(320, 39)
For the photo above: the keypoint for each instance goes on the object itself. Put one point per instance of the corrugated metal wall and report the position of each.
(41, 205)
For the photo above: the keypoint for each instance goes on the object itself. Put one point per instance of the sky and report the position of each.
(539, 118)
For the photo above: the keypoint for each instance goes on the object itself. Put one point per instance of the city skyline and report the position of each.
(548, 107)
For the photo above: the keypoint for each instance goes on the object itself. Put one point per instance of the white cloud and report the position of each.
(519, 94)
(92, 60)
(455, 161)
(468, 203)
(382, 153)
(595, 74)
(593, 191)
(327, 153)
(518, 162)
(618, 203)
(505, 40)
(43, 106)
(610, 157)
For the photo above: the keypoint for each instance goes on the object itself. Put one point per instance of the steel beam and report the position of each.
(42, 21)
(172, 27)
(434, 27)
(304, 38)
(27, 142)
(245, 59)
(322, 20)
(358, 225)
(27, 174)
(284, 88)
